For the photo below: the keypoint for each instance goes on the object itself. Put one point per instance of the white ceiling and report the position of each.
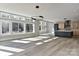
(52, 11)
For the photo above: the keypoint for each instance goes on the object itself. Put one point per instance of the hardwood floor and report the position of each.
(55, 46)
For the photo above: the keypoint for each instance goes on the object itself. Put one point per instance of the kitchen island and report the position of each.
(63, 33)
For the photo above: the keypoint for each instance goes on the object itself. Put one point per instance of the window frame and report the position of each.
(18, 32)
(15, 18)
(29, 28)
(43, 25)
(7, 33)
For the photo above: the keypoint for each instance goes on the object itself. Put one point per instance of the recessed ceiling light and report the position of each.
(37, 6)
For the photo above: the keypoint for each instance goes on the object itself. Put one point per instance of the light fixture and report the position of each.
(41, 16)
(37, 6)
(34, 17)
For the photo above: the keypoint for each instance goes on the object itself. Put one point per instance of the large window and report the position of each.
(14, 26)
(29, 27)
(21, 27)
(17, 27)
(42, 26)
(5, 27)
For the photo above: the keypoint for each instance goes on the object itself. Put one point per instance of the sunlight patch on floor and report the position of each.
(2, 53)
(42, 37)
(11, 49)
(20, 41)
(55, 38)
(39, 43)
(31, 39)
(48, 40)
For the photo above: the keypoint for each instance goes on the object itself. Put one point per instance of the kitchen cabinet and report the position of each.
(75, 28)
(61, 25)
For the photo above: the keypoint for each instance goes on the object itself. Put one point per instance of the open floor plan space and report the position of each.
(43, 46)
(39, 29)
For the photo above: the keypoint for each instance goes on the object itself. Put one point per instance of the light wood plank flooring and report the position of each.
(55, 46)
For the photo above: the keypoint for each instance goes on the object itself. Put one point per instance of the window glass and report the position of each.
(29, 27)
(5, 27)
(15, 27)
(42, 25)
(21, 27)
(39, 27)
